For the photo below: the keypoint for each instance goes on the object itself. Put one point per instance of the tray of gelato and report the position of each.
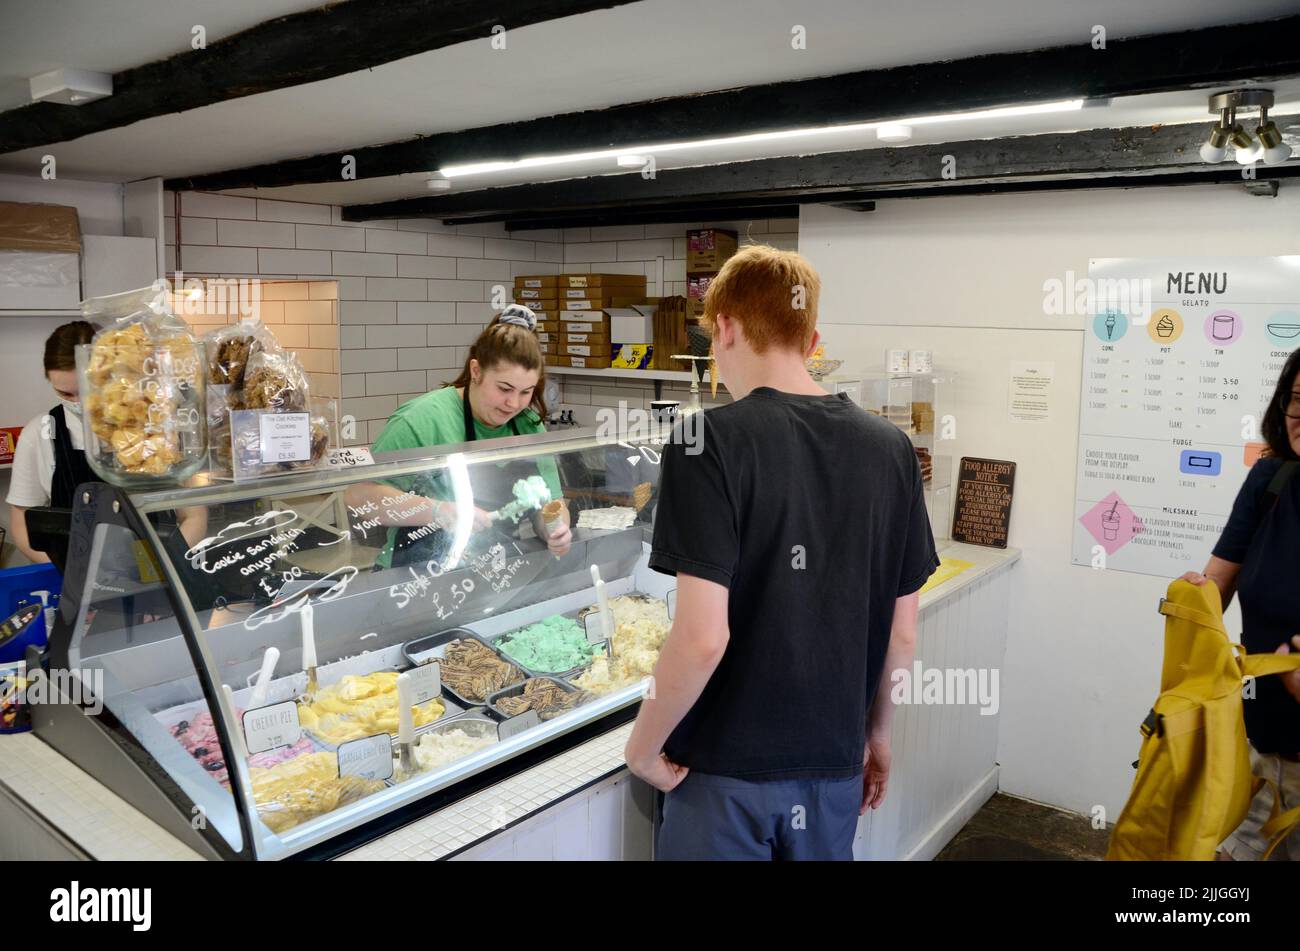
(303, 788)
(547, 695)
(555, 645)
(444, 743)
(358, 706)
(471, 670)
(197, 734)
(640, 628)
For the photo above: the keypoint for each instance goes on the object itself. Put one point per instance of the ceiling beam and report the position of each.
(1165, 151)
(1219, 56)
(287, 51)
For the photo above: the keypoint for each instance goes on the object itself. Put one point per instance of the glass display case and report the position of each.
(239, 661)
(908, 400)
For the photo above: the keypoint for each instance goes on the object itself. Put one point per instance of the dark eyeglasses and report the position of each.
(1290, 404)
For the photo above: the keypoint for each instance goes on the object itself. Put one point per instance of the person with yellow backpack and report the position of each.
(1201, 786)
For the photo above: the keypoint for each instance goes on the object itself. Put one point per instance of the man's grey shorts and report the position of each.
(720, 818)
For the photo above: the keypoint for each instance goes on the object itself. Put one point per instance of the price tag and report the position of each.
(672, 603)
(370, 757)
(286, 437)
(525, 721)
(351, 456)
(595, 630)
(426, 682)
(270, 727)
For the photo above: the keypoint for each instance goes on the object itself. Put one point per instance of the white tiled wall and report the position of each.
(414, 293)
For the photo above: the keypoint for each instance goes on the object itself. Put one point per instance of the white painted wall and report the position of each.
(963, 277)
(23, 390)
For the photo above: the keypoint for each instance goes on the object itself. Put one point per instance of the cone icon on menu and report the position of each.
(1110, 325)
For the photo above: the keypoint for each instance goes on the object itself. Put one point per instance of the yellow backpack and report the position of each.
(1194, 785)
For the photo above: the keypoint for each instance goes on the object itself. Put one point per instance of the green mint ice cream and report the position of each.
(551, 646)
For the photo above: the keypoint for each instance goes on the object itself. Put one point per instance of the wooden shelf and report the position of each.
(682, 376)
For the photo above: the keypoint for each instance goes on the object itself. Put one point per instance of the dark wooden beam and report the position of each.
(1219, 56)
(635, 216)
(834, 176)
(662, 213)
(290, 50)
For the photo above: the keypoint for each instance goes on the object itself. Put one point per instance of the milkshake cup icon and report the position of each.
(1110, 523)
(1223, 327)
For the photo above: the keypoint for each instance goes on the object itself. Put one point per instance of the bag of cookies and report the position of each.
(142, 381)
(280, 426)
(229, 350)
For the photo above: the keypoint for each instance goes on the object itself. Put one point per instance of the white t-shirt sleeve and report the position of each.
(33, 469)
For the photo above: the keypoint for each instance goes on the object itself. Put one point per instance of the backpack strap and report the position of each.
(1261, 665)
(1280, 824)
(1201, 618)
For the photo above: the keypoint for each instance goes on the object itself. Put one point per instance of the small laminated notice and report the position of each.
(426, 682)
(370, 757)
(349, 457)
(286, 437)
(270, 727)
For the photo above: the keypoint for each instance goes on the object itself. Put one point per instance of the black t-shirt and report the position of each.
(1269, 589)
(810, 510)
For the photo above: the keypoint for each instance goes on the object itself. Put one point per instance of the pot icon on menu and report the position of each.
(1110, 523)
(1224, 327)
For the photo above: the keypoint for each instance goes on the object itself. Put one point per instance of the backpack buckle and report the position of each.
(1154, 723)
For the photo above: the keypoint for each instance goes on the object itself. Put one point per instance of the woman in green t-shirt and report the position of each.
(498, 393)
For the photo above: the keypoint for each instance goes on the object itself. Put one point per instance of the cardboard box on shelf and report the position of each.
(602, 280)
(546, 325)
(707, 249)
(697, 285)
(583, 327)
(670, 333)
(630, 356)
(584, 363)
(536, 293)
(583, 349)
(593, 339)
(550, 360)
(600, 303)
(634, 324)
(537, 280)
(540, 307)
(585, 316)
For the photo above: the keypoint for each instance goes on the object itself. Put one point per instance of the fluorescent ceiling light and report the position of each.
(631, 161)
(541, 161)
(894, 133)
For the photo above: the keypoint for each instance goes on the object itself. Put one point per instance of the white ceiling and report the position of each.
(112, 35)
(642, 51)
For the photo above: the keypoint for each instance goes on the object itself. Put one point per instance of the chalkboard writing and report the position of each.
(983, 509)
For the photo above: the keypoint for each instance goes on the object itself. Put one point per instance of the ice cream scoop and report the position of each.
(530, 493)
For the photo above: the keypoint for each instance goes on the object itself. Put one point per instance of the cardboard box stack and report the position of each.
(707, 249)
(575, 331)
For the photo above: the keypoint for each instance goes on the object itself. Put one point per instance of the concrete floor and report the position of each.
(1011, 829)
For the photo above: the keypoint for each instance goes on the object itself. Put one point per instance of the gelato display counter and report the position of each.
(297, 666)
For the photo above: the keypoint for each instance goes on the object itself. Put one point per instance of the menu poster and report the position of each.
(1174, 389)
(983, 510)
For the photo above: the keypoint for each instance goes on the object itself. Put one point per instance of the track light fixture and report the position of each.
(1265, 144)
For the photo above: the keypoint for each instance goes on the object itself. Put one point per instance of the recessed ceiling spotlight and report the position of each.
(632, 161)
(894, 133)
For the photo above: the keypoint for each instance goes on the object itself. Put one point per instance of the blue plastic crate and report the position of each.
(17, 585)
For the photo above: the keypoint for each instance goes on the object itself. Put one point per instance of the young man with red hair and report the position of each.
(799, 537)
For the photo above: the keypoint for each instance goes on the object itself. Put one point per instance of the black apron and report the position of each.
(70, 466)
(493, 487)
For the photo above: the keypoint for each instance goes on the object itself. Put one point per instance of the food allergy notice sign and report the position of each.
(1180, 360)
